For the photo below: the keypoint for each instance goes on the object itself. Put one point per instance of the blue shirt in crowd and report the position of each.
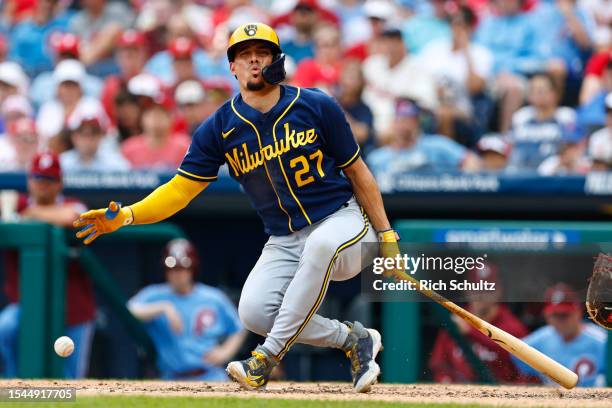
(429, 153)
(511, 39)
(208, 318)
(30, 44)
(585, 355)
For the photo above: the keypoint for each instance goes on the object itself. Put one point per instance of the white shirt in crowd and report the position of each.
(384, 84)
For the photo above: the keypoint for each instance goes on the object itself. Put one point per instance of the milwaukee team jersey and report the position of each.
(288, 160)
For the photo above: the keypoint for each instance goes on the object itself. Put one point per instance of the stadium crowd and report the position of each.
(438, 85)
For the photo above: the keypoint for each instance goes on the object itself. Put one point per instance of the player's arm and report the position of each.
(162, 203)
(226, 350)
(368, 195)
(149, 311)
(62, 216)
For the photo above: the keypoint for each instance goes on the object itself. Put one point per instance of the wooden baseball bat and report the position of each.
(534, 358)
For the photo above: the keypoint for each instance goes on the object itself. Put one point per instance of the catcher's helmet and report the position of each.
(180, 253)
(273, 73)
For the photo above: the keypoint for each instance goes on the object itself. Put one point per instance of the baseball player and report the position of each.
(294, 154)
(195, 327)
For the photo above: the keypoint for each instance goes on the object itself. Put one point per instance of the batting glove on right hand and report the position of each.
(102, 221)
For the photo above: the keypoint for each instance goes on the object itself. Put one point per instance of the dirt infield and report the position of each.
(418, 393)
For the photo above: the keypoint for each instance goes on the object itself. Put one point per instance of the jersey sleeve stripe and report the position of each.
(351, 160)
(196, 177)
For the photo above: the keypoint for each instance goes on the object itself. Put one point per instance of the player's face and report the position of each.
(44, 191)
(180, 279)
(567, 324)
(248, 63)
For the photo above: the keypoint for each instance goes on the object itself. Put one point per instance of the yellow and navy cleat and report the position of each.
(254, 372)
(362, 347)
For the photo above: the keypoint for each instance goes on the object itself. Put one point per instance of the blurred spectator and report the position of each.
(591, 114)
(386, 79)
(65, 47)
(537, 129)
(448, 363)
(190, 98)
(31, 38)
(157, 147)
(358, 114)
(600, 142)
(195, 327)
(208, 63)
(19, 145)
(181, 50)
(322, 71)
(88, 126)
(411, 150)
(303, 20)
(423, 28)
(131, 56)
(601, 12)
(14, 107)
(564, 37)
(511, 37)
(128, 113)
(46, 203)
(462, 70)
(569, 160)
(13, 81)
(594, 75)
(379, 13)
(68, 79)
(494, 152)
(98, 25)
(566, 338)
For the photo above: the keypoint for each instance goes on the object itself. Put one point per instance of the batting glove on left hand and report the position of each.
(102, 221)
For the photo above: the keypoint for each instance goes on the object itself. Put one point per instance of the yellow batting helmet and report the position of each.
(253, 31)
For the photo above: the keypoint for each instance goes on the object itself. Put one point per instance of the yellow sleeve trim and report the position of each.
(352, 159)
(204, 178)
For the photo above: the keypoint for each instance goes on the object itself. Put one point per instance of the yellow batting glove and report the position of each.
(390, 249)
(102, 221)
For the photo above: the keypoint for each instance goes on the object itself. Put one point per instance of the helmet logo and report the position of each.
(250, 30)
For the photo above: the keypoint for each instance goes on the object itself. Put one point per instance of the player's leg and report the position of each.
(77, 363)
(331, 251)
(9, 330)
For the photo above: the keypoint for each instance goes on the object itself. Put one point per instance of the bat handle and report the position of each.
(112, 210)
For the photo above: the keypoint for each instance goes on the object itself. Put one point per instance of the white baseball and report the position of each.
(64, 346)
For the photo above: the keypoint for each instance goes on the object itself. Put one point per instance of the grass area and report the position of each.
(229, 402)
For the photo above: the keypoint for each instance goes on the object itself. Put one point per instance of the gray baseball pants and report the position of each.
(288, 283)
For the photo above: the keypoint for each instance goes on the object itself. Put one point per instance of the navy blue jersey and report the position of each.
(288, 160)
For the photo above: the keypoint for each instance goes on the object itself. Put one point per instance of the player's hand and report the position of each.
(217, 356)
(390, 249)
(103, 221)
(174, 318)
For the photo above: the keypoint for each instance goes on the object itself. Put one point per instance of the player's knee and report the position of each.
(252, 315)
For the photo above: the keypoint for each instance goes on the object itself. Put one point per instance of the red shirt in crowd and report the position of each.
(598, 63)
(448, 365)
(141, 154)
(310, 73)
(80, 303)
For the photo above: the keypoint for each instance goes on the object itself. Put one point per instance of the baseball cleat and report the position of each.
(362, 347)
(252, 373)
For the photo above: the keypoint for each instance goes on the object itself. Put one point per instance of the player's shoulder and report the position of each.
(209, 291)
(595, 333)
(155, 289)
(541, 335)
(565, 114)
(308, 95)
